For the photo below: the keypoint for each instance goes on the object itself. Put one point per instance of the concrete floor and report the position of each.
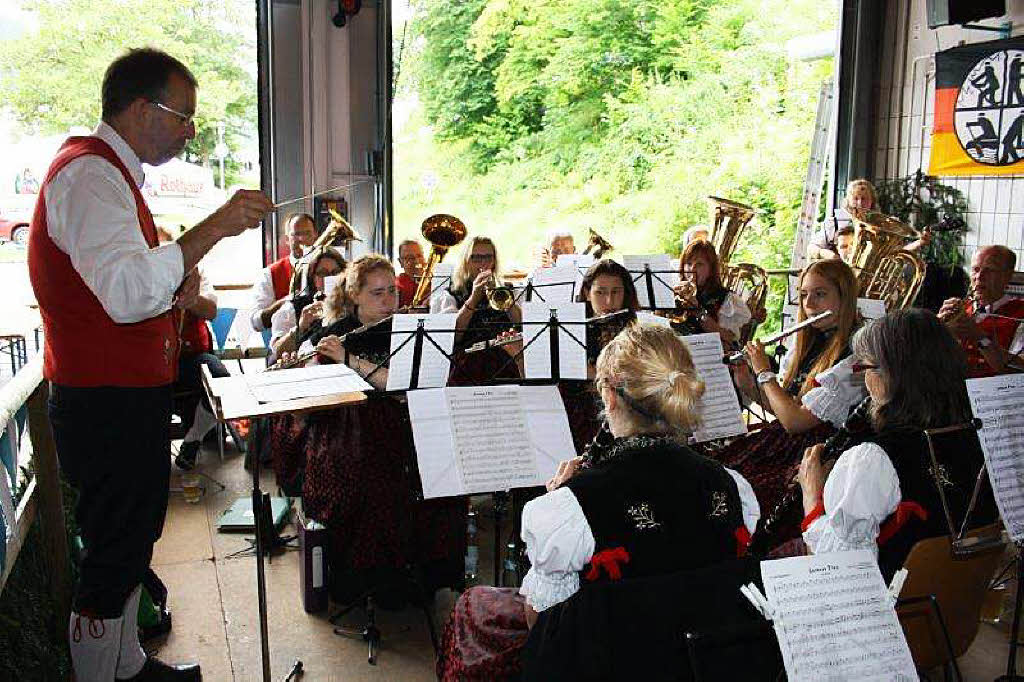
(213, 601)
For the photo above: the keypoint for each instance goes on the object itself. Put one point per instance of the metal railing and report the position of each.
(41, 499)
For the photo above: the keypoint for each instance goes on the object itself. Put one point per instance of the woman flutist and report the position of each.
(651, 507)
(813, 391)
(882, 494)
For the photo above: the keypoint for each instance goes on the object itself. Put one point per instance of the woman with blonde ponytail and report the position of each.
(650, 506)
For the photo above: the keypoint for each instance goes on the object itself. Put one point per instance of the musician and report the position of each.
(105, 289)
(410, 257)
(291, 322)
(881, 495)
(559, 242)
(361, 478)
(271, 290)
(814, 389)
(860, 198)
(715, 308)
(475, 272)
(992, 343)
(650, 506)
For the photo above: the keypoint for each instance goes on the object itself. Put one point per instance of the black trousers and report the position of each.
(113, 444)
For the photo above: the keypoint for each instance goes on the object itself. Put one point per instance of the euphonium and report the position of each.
(876, 237)
(728, 220)
(443, 232)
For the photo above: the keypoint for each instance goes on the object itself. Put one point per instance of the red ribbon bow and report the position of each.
(905, 512)
(609, 560)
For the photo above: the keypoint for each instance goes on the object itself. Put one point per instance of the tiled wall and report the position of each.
(906, 91)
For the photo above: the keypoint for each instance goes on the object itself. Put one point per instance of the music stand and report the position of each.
(649, 277)
(527, 293)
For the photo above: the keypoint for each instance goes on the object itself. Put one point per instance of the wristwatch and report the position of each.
(765, 376)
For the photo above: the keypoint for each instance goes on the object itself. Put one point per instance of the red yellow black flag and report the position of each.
(979, 110)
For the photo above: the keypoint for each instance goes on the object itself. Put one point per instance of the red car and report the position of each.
(14, 231)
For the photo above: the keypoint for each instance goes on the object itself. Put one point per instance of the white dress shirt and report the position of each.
(860, 493)
(263, 297)
(91, 215)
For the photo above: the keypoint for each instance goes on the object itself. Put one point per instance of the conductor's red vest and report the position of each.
(1000, 330)
(281, 277)
(84, 347)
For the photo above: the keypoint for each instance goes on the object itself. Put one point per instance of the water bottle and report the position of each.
(472, 551)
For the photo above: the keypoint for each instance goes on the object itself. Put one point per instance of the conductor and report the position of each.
(105, 291)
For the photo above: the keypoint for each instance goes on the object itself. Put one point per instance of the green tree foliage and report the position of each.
(50, 78)
(622, 116)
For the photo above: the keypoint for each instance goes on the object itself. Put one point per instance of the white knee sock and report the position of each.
(94, 647)
(201, 424)
(132, 656)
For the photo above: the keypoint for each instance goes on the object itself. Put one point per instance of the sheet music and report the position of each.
(434, 365)
(572, 339)
(475, 439)
(440, 278)
(871, 308)
(834, 619)
(305, 382)
(663, 279)
(997, 401)
(575, 260)
(647, 317)
(330, 282)
(719, 407)
(553, 285)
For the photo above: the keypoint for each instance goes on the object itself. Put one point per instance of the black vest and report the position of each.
(374, 344)
(960, 458)
(668, 507)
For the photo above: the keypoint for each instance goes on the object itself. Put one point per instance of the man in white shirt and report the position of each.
(105, 290)
(271, 290)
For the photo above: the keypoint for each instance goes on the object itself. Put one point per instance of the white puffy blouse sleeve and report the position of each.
(733, 314)
(860, 493)
(837, 391)
(750, 507)
(559, 543)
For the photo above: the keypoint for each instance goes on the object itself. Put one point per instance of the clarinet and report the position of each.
(839, 442)
(598, 447)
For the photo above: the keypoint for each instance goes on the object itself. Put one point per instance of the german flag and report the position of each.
(979, 110)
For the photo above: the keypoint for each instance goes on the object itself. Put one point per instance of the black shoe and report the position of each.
(158, 629)
(156, 670)
(187, 455)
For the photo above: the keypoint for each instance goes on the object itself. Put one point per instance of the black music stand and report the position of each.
(528, 292)
(649, 277)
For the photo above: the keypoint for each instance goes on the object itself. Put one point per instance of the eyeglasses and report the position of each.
(183, 119)
(860, 367)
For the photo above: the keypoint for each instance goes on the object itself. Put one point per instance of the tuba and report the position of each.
(876, 237)
(597, 246)
(898, 280)
(749, 282)
(728, 220)
(443, 232)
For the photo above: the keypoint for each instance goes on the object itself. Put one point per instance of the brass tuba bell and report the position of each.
(443, 231)
(728, 220)
(876, 237)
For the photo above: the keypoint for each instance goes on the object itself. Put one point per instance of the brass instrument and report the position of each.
(749, 282)
(597, 245)
(443, 232)
(876, 237)
(499, 296)
(728, 220)
(897, 280)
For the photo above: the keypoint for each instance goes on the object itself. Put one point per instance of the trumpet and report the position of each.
(499, 296)
(740, 356)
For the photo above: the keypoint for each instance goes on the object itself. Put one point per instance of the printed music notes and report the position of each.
(871, 308)
(305, 382)
(835, 620)
(476, 439)
(997, 401)
(553, 285)
(654, 279)
(433, 363)
(719, 407)
(572, 339)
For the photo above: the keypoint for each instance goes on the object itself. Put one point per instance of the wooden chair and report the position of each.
(940, 605)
